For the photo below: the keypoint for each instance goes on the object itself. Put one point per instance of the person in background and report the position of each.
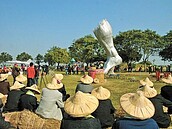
(105, 111)
(36, 74)
(162, 118)
(13, 97)
(85, 85)
(4, 84)
(29, 100)
(15, 72)
(139, 111)
(30, 75)
(51, 102)
(79, 108)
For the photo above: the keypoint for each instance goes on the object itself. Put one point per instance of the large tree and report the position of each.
(24, 56)
(166, 52)
(56, 55)
(4, 56)
(87, 49)
(127, 45)
(39, 58)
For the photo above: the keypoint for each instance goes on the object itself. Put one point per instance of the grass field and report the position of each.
(117, 86)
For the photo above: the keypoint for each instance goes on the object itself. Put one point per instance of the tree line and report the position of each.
(132, 46)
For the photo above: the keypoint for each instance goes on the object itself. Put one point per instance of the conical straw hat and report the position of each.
(3, 77)
(148, 91)
(34, 87)
(57, 84)
(137, 105)
(86, 79)
(17, 85)
(168, 80)
(81, 104)
(58, 76)
(146, 82)
(101, 93)
(21, 78)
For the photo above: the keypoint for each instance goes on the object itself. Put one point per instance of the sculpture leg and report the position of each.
(104, 35)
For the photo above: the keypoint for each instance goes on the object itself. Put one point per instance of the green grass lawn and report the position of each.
(117, 87)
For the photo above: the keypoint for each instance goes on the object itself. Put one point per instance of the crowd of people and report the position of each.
(90, 107)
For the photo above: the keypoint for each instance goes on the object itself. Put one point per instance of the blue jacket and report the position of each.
(128, 123)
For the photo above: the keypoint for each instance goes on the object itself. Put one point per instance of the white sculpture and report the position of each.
(104, 35)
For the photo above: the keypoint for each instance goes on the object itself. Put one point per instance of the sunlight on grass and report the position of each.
(117, 87)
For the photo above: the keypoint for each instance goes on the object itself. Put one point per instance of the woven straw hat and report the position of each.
(58, 76)
(3, 77)
(146, 82)
(137, 105)
(34, 87)
(21, 78)
(57, 84)
(148, 91)
(81, 104)
(17, 85)
(168, 79)
(86, 79)
(101, 93)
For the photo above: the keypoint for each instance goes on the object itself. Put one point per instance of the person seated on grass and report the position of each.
(4, 84)
(105, 111)
(79, 108)
(56, 80)
(4, 121)
(16, 91)
(29, 100)
(85, 85)
(162, 118)
(166, 90)
(51, 102)
(139, 111)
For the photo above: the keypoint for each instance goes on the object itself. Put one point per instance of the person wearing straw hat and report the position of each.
(4, 84)
(79, 108)
(105, 111)
(163, 119)
(29, 100)
(13, 97)
(51, 102)
(166, 90)
(56, 80)
(85, 85)
(139, 111)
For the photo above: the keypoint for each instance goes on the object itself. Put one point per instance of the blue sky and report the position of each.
(34, 26)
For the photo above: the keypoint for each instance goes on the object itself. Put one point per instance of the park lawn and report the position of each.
(117, 86)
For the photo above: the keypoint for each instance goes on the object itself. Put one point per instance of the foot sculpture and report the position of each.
(104, 35)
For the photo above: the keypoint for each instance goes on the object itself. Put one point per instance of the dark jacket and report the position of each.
(80, 123)
(163, 119)
(105, 113)
(4, 87)
(13, 98)
(4, 124)
(28, 102)
(129, 123)
(166, 92)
